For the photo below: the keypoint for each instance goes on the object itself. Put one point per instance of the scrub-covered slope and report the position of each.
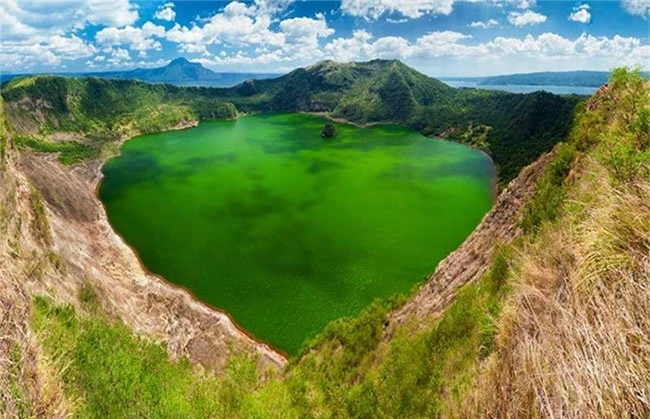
(573, 339)
(552, 321)
(514, 128)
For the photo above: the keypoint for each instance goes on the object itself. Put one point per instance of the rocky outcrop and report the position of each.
(467, 263)
(597, 98)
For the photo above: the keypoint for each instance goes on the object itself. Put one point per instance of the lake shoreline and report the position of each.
(279, 355)
(222, 300)
(96, 182)
(341, 120)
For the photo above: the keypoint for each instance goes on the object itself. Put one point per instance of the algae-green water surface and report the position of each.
(286, 231)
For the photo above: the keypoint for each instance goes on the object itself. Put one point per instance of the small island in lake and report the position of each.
(329, 131)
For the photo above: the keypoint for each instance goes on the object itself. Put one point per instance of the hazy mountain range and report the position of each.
(183, 72)
(179, 71)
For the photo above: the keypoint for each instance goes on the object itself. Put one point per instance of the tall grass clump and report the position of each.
(107, 371)
(573, 339)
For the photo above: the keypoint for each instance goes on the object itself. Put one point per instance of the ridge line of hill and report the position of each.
(513, 128)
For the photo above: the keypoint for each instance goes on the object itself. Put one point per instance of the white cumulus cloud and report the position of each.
(237, 24)
(580, 14)
(43, 32)
(306, 30)
(51, 50)
(23, 19)
(137, 38)
(490, 23)
(373, 9)
(637, 7)
(523, 4)
(526, 18)
(166, 12)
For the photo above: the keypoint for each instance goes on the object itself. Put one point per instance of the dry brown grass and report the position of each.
(28, 386)
(574, 337)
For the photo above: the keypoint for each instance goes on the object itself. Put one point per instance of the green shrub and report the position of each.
(623, 137)
(547, 202)
(88, 295)
(356, 335)
(622, 157)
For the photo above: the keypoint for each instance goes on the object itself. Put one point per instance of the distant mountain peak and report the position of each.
(376, 61)
(327, 66)
(324, 64)
(385, 61)
(180, 60)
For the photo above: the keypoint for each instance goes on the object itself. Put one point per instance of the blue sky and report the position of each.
(438, 37)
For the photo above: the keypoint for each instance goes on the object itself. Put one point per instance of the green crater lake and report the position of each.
(285, 231)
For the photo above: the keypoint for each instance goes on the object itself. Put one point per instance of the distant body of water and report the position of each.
(525, 88)
(229, 80)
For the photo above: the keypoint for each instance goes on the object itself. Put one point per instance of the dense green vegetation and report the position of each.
(514, 128)
(70, 151)
(93, 108)
(521, 126)
(430, 369)
(109, 372)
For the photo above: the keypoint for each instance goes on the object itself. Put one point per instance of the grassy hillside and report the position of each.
(514, 128)
(557, 327)
(102, 109)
